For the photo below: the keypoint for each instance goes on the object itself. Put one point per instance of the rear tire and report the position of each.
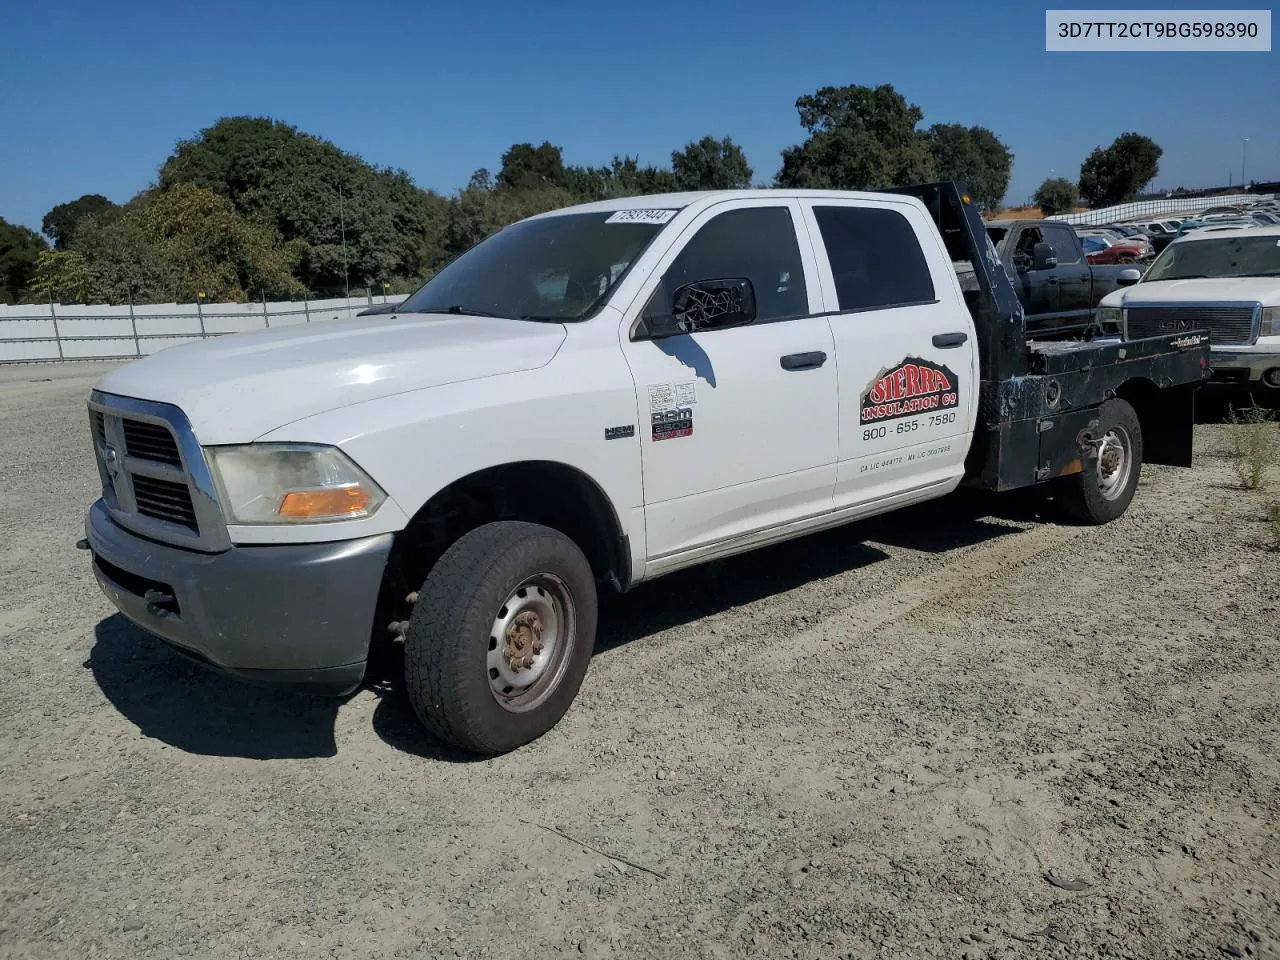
(506, 591)
(1103, 490)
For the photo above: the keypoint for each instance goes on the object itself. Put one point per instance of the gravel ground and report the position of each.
(882, 741)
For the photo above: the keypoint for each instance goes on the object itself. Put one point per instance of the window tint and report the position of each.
(1065, 246)
(758, 243)
(875, 257)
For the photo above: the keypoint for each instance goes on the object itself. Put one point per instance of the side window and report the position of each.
(1065, 246)
(875, 256)
(758, 243)
(1027, 241)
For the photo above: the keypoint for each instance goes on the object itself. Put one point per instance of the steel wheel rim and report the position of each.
(1114, 462)
(537, 625)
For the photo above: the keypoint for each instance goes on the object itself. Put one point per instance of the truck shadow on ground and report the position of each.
(196, 710)
(1214, 405)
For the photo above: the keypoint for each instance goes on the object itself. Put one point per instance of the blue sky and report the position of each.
(96, 94)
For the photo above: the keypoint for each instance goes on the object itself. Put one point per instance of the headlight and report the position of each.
(291, 483)
(1270, 322)
(1110, 317)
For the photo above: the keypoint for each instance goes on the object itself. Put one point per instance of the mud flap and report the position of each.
(1168, 427)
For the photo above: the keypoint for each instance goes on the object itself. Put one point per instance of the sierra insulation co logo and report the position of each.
(913, 386)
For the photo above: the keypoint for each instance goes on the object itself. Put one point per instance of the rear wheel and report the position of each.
(501, 637)
(1104, 488)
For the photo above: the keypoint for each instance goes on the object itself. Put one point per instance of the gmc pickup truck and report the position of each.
(1225, 282)
(589, 399)
(1058, 288)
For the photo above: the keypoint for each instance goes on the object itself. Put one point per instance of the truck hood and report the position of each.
(1205, 290)
(236, 388)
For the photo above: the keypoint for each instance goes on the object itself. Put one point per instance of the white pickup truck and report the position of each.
(592, 398)
(1223, 281)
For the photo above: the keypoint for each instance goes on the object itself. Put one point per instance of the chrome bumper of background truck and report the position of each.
(1245, 368)
(294, 614)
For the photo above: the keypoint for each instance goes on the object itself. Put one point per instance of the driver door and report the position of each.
(738, 423)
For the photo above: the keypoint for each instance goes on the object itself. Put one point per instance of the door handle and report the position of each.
(1052, 281)
(944, 341)
(803, 361)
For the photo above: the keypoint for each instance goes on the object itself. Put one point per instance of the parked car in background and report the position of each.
(1222, 281)
(1140, 243)
(1104, 250)
(1161, 233)
(1058, 287)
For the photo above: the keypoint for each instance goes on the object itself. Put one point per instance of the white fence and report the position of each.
(1155, 209)
(56, 331)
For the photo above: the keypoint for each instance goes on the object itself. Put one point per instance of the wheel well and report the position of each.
(536, 491)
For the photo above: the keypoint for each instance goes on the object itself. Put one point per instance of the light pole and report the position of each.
(1244, 152)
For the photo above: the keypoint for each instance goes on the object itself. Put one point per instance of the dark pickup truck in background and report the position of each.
(1059, 289)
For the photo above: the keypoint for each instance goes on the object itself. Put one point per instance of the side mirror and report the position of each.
(703, 305)
(712, 304)
(1127, 278)
(1042, 257)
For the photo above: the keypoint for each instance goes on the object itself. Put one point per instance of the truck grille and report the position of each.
(1234, 324)
(155, 481)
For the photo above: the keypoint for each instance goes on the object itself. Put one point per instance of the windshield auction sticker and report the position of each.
(913, 386)
(641, 215)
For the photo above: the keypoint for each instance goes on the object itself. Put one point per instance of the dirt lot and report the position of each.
(875, 742)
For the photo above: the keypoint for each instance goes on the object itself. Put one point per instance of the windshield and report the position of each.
(1224, 256)
(557, 268)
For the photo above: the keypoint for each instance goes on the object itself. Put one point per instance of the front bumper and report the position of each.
(295, 614)
(1242, 367)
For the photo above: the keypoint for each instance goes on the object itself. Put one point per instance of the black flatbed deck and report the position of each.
(1038, 401)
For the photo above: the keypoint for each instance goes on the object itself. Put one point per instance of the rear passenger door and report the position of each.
(906, 348)
(1073, 274)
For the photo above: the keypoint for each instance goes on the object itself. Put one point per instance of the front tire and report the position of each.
(501, 637)
(1103, 490)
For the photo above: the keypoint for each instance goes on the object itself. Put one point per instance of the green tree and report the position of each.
(59, 224)
(711, 164)
(64, 276)
(1117, 173)
(1055, 196)
(526, 167)
(20, 248)
(170, 245)
(350, 221)
(975, 156)
(860, 138)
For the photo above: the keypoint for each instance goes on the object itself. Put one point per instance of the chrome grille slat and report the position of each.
(1234, 324)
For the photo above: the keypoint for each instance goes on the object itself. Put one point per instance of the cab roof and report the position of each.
(679, 201)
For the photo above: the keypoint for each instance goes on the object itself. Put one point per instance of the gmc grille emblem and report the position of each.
(1176, 325)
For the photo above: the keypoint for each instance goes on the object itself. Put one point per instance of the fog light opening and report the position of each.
(1272, 378)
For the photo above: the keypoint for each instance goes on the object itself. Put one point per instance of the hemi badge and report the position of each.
(619, 433)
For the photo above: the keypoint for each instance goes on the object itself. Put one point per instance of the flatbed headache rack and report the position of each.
(1038, 401)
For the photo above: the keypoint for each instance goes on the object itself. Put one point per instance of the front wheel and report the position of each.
(1103, 489)
(501, 637)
